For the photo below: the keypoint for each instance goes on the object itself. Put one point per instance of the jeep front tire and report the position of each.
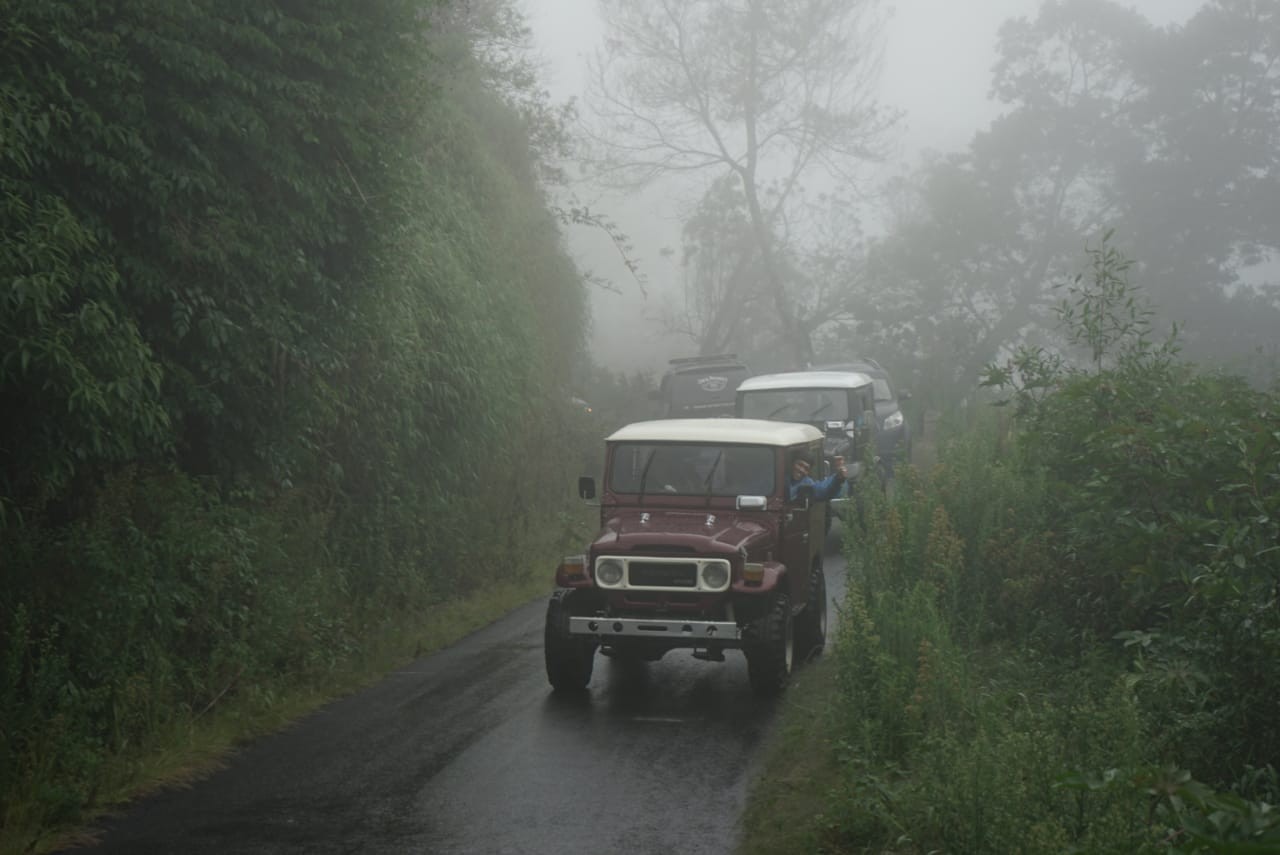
(771, 653)
(812, 629)
(569, 660)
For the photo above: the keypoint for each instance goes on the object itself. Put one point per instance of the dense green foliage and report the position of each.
(1165, 488)
(284, 325)
(1066, 637)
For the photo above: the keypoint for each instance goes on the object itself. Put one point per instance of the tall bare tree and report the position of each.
(770, 91)
(722, 286)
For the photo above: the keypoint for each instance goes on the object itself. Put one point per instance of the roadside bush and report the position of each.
(1163, 487)
(116, 624)
(973, 527)
(1064, 639)
(966, 748)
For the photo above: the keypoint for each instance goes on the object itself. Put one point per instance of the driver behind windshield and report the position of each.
(826, 488)
(676, 471)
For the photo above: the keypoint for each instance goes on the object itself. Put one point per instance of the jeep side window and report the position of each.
(800, 477)
(806, 478)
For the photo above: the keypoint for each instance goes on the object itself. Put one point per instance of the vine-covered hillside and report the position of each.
(284, 324)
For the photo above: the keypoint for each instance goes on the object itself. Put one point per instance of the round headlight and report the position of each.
(715, 575)
(609, 572)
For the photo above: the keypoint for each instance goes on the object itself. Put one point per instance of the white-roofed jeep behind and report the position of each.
(701, 548)
(839, 403)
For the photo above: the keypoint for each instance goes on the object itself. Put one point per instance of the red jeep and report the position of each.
(700, 547)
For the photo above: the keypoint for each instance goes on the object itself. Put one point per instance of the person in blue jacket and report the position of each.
(824, 489)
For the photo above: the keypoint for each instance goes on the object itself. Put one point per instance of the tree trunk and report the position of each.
(793, 333)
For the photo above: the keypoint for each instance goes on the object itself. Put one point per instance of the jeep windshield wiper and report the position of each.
(821, 409)
(644, 473)
(712, 474)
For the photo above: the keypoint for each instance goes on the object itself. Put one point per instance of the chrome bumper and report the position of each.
(688, 632)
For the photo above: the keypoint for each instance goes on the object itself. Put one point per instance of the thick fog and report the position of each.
(936, 70)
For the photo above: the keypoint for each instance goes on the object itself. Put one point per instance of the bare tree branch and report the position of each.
(773, 92)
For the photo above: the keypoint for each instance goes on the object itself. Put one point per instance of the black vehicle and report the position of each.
(700, 386)
(894, 440)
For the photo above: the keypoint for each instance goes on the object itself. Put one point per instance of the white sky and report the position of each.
(937, 69)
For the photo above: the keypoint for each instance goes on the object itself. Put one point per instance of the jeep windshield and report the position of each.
(796, 405)
(701, 469)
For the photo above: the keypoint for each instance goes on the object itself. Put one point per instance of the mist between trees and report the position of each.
(766, 113)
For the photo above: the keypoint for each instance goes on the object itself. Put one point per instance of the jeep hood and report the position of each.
(695, 531)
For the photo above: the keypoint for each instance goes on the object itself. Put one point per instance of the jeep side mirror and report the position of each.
(586, 487)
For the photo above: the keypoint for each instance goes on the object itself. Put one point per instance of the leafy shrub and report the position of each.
(1164, 485)
(1065, 638)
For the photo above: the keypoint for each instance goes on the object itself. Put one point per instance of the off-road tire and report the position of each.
(569, 660)
(771, 652)
(811, 628)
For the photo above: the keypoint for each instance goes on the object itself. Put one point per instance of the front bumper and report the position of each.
(678, 633)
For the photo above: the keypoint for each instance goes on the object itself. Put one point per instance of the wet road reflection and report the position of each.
(469, 751)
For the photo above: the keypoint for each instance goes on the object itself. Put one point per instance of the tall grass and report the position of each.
(969, 708)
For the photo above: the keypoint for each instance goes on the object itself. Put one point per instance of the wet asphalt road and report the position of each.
(469, 751)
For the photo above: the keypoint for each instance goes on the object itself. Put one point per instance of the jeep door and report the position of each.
(803, 531)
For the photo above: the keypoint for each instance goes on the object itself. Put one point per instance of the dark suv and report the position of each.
(700, 386)
(894, 440)
(702, 546)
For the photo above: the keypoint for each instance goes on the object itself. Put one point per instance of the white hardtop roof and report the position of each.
(745, 431)
(806, 380)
